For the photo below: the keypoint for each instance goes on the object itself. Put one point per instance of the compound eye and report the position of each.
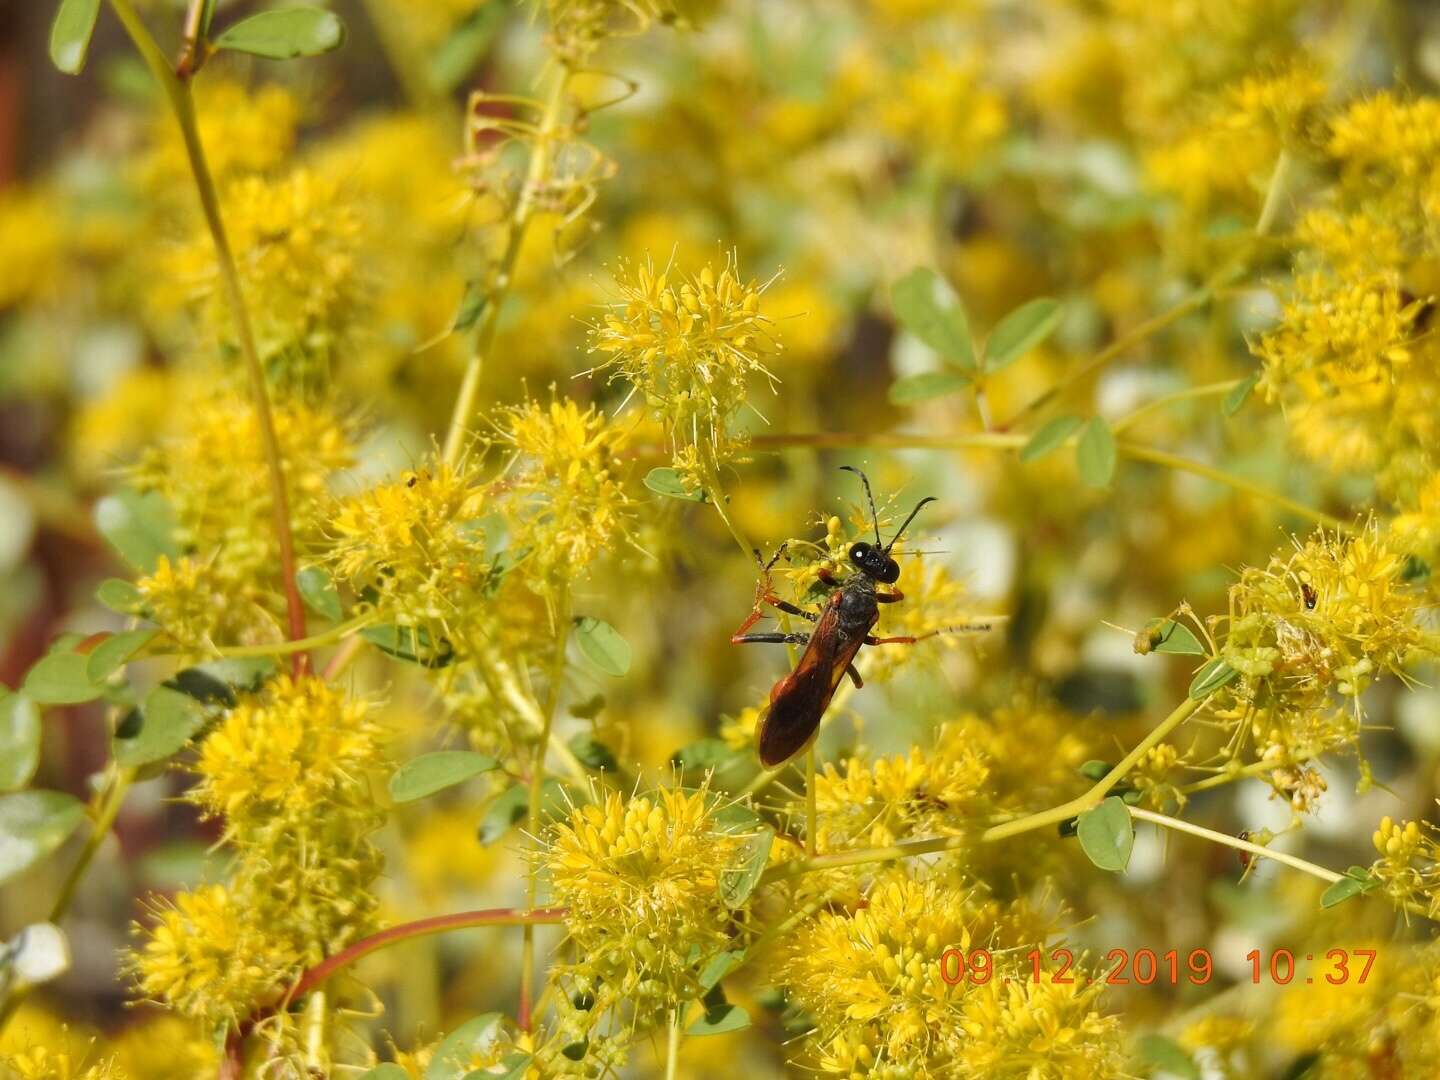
(892, 572)
(859, 554)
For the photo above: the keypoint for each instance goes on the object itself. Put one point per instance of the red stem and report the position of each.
(233, 1064)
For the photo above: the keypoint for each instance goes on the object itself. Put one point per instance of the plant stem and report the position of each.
(537, 782)
(108, 810)
(541, 155)
(285, 648)
(108, 804)
(331, 966)
(1209, 390)
(717, 497)
(1274, 193)
(182, 104)
(1239, 483)
(810, 801)
(1028, 823)
(1121, 345)
(672, 1050)
(1096, 794)
(1234, 842)
(822, 440)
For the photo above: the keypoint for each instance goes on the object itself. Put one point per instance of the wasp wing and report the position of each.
(798, 701)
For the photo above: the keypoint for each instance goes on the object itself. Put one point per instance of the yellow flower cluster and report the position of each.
(288, 771)
(414, 547)
(939, 790)
(691, 346)
(211, 469)
(641, 879)
(295, 241)
(1322, 623)
(565, 502)
(873, 981)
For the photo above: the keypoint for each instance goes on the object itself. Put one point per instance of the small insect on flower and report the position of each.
(799, 700)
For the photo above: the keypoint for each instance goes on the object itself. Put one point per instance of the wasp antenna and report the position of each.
(921, 503)
(875, 517)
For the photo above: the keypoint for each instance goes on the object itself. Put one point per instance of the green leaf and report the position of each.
(1357, 880)
(668, 482)
(1236, 398)
(139, 527)
(737, 818)
(1107, 834)
(927, 385)
(120, 596)
(472, 306)
(514, 804)
(458, 54)
(388, 1071)
(1049, 437)
(1211, 677)
(165, 722)
(602, 645)
(429, 773)
(1165, 1053)
(1020, 331)
(19, 740)
(736, 884)
(32, 825)
(61, 678)
(1095, 770)
(114, 652)
(593, 754)
(318, 592)
(705, 754)
(939, 323)
(70, 34)
(720, 1020)
(504, 812)
(451, 1060)
(1095, 453)
(720, 965)
(410, 643)
(588, 709)
(516, 1066)
(1170, 636)
(285, 33)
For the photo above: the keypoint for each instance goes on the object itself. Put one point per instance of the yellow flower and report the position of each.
(691, 347)
(939, 790)
(937, 109)
(208, 958)
(297, 746)
(32, 225)
(641, 879)
(417, 542)
(295, 242)
(564, 493)
(243, 131)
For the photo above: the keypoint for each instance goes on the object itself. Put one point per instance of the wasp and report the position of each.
(842, 626)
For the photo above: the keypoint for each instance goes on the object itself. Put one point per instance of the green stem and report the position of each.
(108, 803)
(1235, 842)
(1121, 345)
(998, 441)
(285, 648)
(537, 782)
(810, 814)
(1096, 794)
(717, 499)
(672, 1051)
(182, 104)
(1209, 390)
(108, 811)
(541, 156)
(1274, 193)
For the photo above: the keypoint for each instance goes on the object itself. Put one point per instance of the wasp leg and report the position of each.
(769, 639)
(827, 577)
(789, 608)
(968, 628)
(854, 676)
(890, 597)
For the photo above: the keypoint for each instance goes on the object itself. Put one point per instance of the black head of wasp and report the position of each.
(842, 626)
